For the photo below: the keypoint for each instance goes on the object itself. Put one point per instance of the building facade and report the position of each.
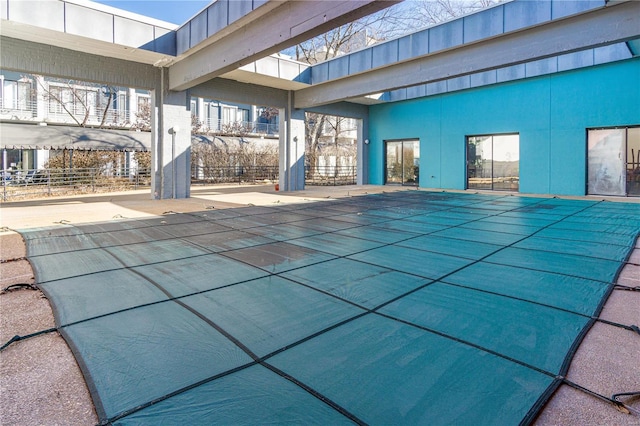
(27, 99)
(533, 97)
(571, 133)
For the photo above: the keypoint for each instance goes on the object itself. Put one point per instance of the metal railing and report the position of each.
(24, 184)
(217, 126)
(330, 175)
(233, 174)
(18, 109)
(113, 117)
(53, 112)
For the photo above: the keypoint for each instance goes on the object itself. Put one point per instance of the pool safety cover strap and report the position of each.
(410, 307)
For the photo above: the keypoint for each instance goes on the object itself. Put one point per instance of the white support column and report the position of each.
(171, 143)
(362, 157)
(132, 105)
(41, 101)
(202, 114)
(292, 144)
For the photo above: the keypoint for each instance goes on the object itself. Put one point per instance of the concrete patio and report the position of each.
(33, 392)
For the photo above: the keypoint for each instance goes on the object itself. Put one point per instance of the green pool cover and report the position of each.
(399, 308)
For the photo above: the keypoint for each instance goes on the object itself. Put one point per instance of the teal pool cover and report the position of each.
(408, 307)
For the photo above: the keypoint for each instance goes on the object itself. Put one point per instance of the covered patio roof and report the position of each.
(35, 136)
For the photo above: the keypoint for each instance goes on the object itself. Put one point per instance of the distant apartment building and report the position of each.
(39, 115)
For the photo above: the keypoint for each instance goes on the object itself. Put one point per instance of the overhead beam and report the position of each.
(244, 93)
(290, 23)
(615, 23)
(87, 25)
(36, 58)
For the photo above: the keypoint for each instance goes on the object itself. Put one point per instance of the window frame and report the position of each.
(493, 177)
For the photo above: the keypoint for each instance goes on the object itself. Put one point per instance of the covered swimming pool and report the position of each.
(394, 308)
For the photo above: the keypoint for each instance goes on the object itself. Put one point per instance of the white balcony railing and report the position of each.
(27, 110)
(51, 112)
(216, 126)
(12, 109)
(113, 118)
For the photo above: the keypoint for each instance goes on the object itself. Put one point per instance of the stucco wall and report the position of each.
(550, 113)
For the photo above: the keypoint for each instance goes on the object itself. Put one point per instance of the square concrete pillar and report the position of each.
(171, 143)
(292, 145)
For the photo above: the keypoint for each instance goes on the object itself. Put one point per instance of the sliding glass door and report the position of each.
(493, 162)
(613, 161)
(402, 162)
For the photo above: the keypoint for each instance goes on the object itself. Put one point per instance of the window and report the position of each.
(213, 115)
(121, 102)
(72, 100)
(228, 115)
(18, 159)
(86, 101)
(16, 95)
(493, 162)
(193, 105)
(243, 115)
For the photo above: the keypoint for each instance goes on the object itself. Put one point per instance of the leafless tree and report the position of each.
(143, 159)
(67, 159)
(269, 112)
(358, 34)
(355, 35)
(314, 124)
(143, 117)
(431, 12)
(219, 158)
(79, 100)
(392, 22)
(196, 125)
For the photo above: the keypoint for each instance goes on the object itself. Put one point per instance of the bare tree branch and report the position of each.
(431, 12)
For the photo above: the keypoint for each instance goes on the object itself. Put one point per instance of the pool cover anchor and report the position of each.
(614, 400)
(16, 259)
(17, 338)
(19, 286)
(624, 407)
(631, 327)
(626, 288)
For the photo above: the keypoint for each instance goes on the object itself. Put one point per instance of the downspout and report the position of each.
(289, 141)
(160, 148)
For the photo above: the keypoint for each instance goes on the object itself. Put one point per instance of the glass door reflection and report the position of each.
(493, 162)
(613, 161)
(402, 162)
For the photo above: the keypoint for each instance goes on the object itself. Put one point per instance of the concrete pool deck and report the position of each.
(605, 362)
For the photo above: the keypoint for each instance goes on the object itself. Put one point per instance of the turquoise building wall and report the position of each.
(551, 114)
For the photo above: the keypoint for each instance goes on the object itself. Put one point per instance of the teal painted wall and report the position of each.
(551, 114)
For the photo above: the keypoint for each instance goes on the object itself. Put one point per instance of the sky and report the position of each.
(174, 11)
